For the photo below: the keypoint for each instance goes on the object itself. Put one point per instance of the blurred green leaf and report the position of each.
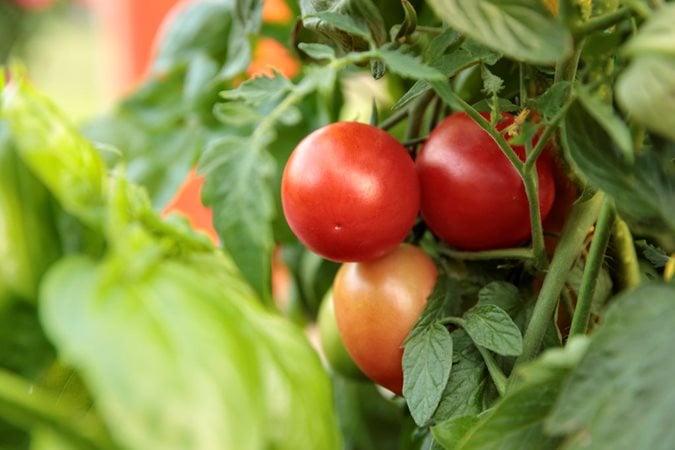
(224, 373)
(622, 390)
(317, 51)
(656, 35)
(260, 90)
(408, 65)
(491, 327)
(645, 190)
(521, 29)
(644, 91)
(449, 432)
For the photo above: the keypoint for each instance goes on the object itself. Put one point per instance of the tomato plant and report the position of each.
(350, 192)
(472, 196)
(376, 305)
(505, 224)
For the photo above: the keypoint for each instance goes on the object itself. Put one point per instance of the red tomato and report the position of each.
(472, 197)
(376, 305)
(350, 192)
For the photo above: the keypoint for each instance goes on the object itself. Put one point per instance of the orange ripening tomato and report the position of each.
(277, 12)
(187, 202)
(270, 55)
(377, 304)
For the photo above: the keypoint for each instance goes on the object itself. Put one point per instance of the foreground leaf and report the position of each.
(623, 389)
(521, 29)
(179, 354)
(491, 327)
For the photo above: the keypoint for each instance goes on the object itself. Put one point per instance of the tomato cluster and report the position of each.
(351, 193)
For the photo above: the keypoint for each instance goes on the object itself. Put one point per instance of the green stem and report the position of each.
(27, 405)
(596, 254)
(394, 119)
(504, 253)
(496, 373)
(603, 22)
(581, 218)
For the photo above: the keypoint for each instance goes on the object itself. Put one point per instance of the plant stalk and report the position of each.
(504, 253)
(581, 218)
(602, 22)
(582, 312)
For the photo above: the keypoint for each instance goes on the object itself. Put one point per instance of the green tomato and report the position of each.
(333, 348)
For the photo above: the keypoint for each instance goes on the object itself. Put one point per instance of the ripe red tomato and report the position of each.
(376, 305)
(350, 192)
(472, 197)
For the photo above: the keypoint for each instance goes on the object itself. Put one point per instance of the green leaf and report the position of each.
(623, 390)
(492, 84)
(656, 256)
(427, 361)
(409, 66)
(179, 354)
(469, 390)
(450, 432)
(351, 25)
(521, 29)
(238, 187)
(604, 114)
(260, 90)
(55, 152)
(200, 28)
(656, 36)
(236, 114)
(550, 102)
(444, 299)
(644, 90)
(491, 327)
(502, 294)
(317, 51)
(516, 422)
(644, 190)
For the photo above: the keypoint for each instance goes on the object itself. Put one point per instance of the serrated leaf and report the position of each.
(478, 51)
(317, 51)
(644, 90)
(491, 327)
(260, 90)
(236, 114)
(440, 44)
(550, 102)
(656, 35)
(521, 29)
(345, 23)
(492, 84)
(621, 394)
(469, 390)
(238, 188)
(656, 256)
(445, 299)
(427, 361)
(409, 66)
(502, 294)
(604, 114)
(516, 422)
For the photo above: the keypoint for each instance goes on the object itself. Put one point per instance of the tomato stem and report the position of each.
(602, 22)
(581, 218)
(27, 405)
(502, 253)
(394, 119)
(596, 254)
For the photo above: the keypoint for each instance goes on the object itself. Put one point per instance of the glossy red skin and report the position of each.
(350, 192)
(472, 197)
(376, 305)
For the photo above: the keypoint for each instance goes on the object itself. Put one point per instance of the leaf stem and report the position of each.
(596, 255)
(603, 22)
(581, 218)
(503, 253)
(27, 405)
(394, 119)
(498, 377)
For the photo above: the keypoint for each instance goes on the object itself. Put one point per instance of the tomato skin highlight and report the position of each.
(350, 192)
(472, 196)
(376, 305)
